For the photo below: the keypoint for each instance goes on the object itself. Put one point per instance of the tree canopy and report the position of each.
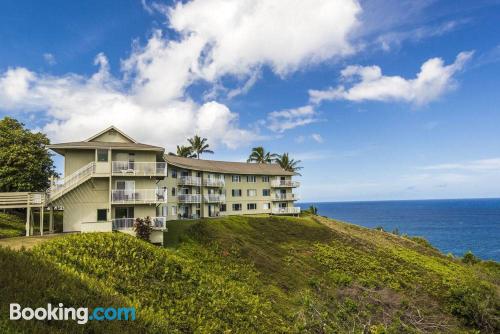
(288, 163)
(261, 156)
(199, 145)
(25, 163)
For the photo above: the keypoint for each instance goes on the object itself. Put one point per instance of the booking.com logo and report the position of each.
(81, 315)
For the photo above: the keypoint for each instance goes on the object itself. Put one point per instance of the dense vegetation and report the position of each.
(25, 163)
(257, 275)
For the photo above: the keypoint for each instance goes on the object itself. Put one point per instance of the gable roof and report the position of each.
(111, 128)
(91, 143)
(227, 166)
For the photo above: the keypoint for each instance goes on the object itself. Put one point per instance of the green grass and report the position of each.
(11, 225)
(257, 275)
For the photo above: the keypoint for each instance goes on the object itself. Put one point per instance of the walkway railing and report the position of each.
(214, 198)
(189, 198)
(214, 182)
(285, 197)
(21, 199)
(63, 185)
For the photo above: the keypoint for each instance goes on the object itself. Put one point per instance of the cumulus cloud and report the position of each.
(242, 35)
(212, 39)
(368, 83)
(282, 120)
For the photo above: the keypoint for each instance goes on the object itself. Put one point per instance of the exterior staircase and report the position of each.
(70, 182)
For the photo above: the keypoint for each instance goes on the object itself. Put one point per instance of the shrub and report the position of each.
(143, 228)
(470, 258)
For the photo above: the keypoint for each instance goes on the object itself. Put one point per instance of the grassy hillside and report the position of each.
(11, 225)
(257, 275)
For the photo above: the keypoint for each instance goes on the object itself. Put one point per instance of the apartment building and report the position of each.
(110, 179)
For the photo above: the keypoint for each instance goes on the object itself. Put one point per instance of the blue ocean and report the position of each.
(453, 226)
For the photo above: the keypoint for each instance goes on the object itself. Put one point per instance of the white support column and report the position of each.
(41, 219)
(28, 214)
(51, 219)
(32, 224)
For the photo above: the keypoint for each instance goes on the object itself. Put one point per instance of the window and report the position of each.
(251, 178)
(174, 191)
(174, 173)
(265, 179)
(236, 192)
(164, 211)
(237, 207)
(251, 206)
(236, 178)
(266, 192)
(222, 208)
(251, 192)
(174, 210)
(102, 215)
(102, 155)
(266, 206)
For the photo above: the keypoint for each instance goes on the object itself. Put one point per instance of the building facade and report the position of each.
(110, 180)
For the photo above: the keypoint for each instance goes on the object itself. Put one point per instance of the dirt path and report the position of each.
(28, 242)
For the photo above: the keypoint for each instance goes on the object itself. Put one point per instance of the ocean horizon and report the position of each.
(452, 225)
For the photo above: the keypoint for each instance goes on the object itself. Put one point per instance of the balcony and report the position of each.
(129, 168)
(189, 198)
(138, 196)
(158, 223)
(285, 211)
(189, 181)
(285, 197)
(214, 198)
(284, 184)
(214, 183)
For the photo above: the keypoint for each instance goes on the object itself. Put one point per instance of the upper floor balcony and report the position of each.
(284, 184)
(212, 182)
(285, 197)
(189, 181)
(133, 168)
(189, 198)
(138, 196)
(214, 198)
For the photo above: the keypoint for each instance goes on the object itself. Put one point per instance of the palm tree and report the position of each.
(260, 156)
(199, 146)
(290, 165)
(185, 151)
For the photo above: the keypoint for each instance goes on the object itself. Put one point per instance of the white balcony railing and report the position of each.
(286, 211)
(190, 181)
(211, 182)
(214, 198)
(189, 198)
(284, 184)
(139, 168)
(138, 196)
(158, 223)
(285, 197)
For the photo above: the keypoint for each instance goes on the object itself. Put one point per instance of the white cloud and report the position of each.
(280, 121)
(472, 166)
(317, 138)
(49, 58)
(368, 83)
(214, 38)
(240, 36)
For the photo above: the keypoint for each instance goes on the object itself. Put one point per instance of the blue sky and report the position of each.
(379, 99)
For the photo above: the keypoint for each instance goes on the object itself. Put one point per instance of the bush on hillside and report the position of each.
(143, 228)
(470, 258)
